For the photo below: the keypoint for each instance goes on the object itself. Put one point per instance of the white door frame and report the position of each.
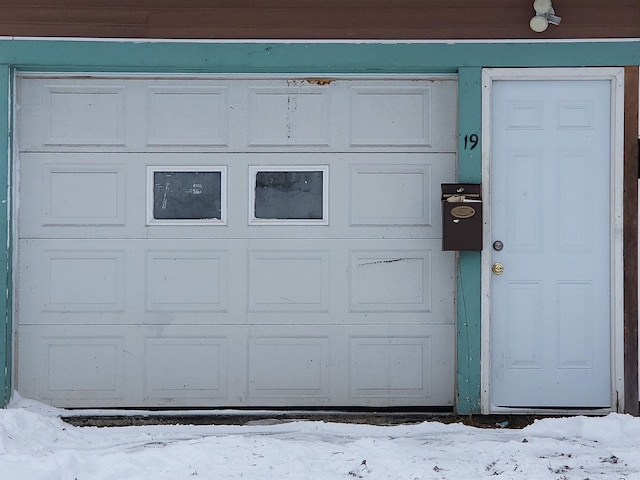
(616, 77)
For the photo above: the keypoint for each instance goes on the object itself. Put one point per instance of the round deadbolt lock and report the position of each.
(497, 268)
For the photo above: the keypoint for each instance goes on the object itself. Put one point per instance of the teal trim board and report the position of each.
(352, 57)
(306, 58)
(468, 264)
(5, 277)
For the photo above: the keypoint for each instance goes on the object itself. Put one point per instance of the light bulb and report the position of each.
(538, 24)
(542, 6)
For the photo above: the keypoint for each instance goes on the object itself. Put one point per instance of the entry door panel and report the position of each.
(550, 204)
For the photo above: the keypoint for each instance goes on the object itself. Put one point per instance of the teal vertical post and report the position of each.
(468, 264)
(5, 259)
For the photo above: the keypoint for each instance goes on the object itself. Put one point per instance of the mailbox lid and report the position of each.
(470, 190)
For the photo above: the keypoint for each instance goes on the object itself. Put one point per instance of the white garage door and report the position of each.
(191, 241)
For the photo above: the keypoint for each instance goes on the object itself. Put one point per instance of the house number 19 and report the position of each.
(470, 141)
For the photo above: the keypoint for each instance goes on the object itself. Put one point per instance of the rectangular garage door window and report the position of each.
(295, 195)
(186, 195)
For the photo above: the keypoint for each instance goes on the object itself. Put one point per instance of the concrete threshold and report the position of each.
(271, 417)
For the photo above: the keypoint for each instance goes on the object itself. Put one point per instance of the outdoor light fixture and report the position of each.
(544, 16)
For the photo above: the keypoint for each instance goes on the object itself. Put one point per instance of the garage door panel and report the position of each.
(289, 280)
(336, 115)
(187, 116)
(82, 280)
(109, 191)
(68, 280)
(84, 115)
(73, 194)
(83, 195)
(196, 366)
(187, 280)
(398, 191)
(400, 276)
(186, 367)
(68, 115)
(391, 116)
(391, 195)
(407, 364)
(300, 263)
(288, 366)
(129, 282)
(391, 280)
(289, 116)
(63, 365)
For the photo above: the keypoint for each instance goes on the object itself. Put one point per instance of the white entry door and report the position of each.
(550, 248)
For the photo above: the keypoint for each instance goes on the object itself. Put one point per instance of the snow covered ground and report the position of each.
(36, 445)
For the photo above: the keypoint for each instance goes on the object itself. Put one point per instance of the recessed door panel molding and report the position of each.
(186, 367)
(575, 347)
(83, 195)
(576, 229)
(391, 195)
(77, 366)
(289, 116)
(576, 115)
(187, 281)
(385, 365)
(391, 280)
(289, 366)
(524, 185)
(82, 280)
(523, 333)
(187, 116)
(524, 114)
(84, 115)
(388, 116)
(288, 280)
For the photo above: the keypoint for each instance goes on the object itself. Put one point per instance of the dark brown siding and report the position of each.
(631, 240)
(307, 19)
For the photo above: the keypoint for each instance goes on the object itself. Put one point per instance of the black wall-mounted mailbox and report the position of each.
(461, 216)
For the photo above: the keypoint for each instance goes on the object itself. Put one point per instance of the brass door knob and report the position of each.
(497, 268)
